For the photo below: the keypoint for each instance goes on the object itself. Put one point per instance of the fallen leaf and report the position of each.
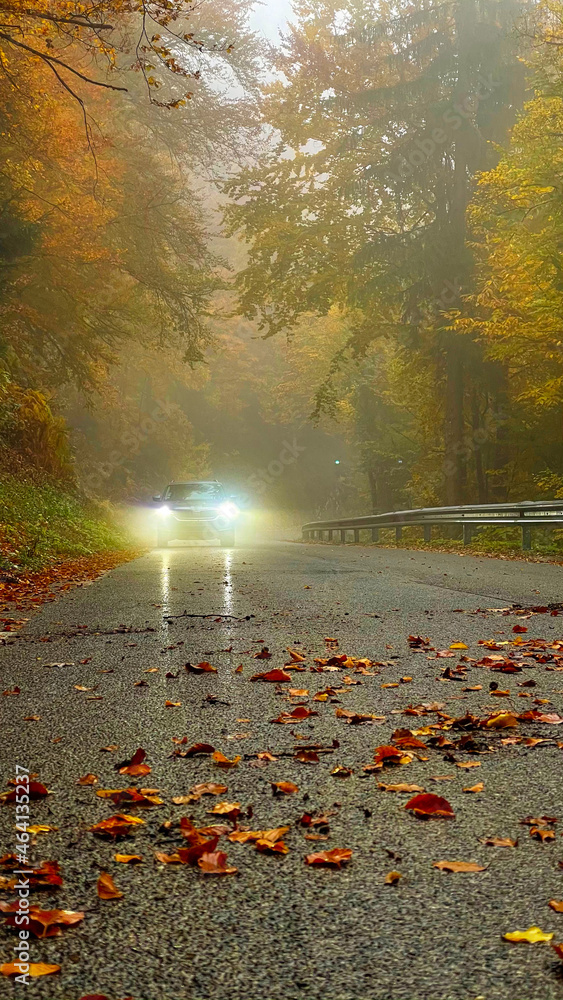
(341, 772)
(42, 923)
(459, 866)
(392, 878)
(88, 779)
(475, 788)
(399, 788)
(307, 757)
(295, 656)
(532, 935)
(430, 805)
(215, 863)
(540, 833)
(128, 859)
(275, 847)
(224, 762)
(283, 787)
(135, 766)
(335, 857)
(469, 763)
(107, 888)
(116, 826)
(230, 809)
(274, 676)
(556, 905)
(298, 713)
(498, 842)
(34, 969)
(200, 668)
(558, 949)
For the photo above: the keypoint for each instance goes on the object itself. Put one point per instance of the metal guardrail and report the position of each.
(524, 514)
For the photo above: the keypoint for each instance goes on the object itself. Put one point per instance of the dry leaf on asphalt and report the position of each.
(336, 857)
(532, 936)
(34, 969)
(107, 888)
(459, 866)
(430, 805)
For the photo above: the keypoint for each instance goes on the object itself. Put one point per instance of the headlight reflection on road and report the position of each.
(165, 582)
(228, 585)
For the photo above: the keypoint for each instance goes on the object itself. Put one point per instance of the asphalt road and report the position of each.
(279, 929)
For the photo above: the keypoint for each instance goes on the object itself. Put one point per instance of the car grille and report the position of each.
(209, 514)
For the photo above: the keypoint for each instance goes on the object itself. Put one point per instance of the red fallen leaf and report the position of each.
(388, 755)
(129, 797)
(34, 969)
(190, 855)
(308, 820)
(239, 669)
(558, 949)
(215, 863)
(107, 888)
(334, 857)
(519, 628)
(298, 713)
(283, 787)
(36, 791)
(427, 804)
(46, 873)
(264, 654)
(200, 668)
(135, 766)
(307, 757)
(274, 676)
(196, 749)
(15, 690)
(42, 923)
(416, 641)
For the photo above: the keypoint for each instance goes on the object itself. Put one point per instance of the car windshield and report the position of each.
(193, 491)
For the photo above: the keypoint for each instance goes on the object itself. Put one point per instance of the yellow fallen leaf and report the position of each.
(532, 935)
(41, 828)
(34, 969)
(458, 645)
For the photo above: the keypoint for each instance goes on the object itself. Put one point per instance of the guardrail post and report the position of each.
(356, 534)
(375, 534)
(526, 536)
(343, 535)
(427, 532)
(330, 534)
(467, 533)
(398, 533)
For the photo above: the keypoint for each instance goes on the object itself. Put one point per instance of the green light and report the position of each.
(337, 461)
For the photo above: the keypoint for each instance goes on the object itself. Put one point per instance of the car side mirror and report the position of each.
(157, 497)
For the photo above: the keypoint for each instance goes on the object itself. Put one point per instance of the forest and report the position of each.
(325, 268)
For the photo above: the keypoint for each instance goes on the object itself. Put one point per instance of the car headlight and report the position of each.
(229, 509)
(163, 511)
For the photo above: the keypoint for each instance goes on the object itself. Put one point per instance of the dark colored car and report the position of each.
(196, 509)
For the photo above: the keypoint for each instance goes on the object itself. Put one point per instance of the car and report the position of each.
(195, 509)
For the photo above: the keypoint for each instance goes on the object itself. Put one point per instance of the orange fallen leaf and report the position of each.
(335, 857)
(230, 809)
(399, 788)
(42, 923)
(426, 805)
(459, 866)
(498, 842)
(295, 656)
(34, 969)
(135, 767)
(200, 668)
(107, 888)
(275, 847)
(170, 704)
(284, 787)
(558, 949)
(475, 788)
(274, 676)
(540, 833)
(556, 905)
(392, 878)
(215, 863)
(88, 779)
(224, 762)
(116, 826)
(128, 859)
